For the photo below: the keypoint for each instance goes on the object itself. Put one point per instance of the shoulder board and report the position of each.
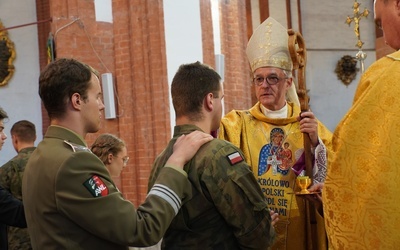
(76, 147)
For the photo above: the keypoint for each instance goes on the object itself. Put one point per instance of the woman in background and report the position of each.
(112, 152)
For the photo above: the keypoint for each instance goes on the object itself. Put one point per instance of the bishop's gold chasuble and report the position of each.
(274, 150)
(361, 193)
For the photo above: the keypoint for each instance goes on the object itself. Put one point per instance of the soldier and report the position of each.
(23, 135)
(11, 209)
(227, 209)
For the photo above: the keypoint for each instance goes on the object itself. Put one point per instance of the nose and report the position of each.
(102, 106)
(265, 84)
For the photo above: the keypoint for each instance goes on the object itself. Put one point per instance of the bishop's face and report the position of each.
(271, 95)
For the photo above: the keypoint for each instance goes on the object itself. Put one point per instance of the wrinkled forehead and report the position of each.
(267, 71)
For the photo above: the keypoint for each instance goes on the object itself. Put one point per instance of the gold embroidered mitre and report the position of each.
(268, 46)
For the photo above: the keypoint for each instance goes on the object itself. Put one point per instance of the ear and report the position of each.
(209, 102)
(76, 101)
(289, 82)
(14, 139)
(110, 158)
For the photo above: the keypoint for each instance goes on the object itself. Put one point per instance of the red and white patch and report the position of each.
(96, 186)
(235, 158)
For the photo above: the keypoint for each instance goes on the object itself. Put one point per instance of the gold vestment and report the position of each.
(272, 147)
(361, 193)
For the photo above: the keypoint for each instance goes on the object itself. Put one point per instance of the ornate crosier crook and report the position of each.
(298, 54)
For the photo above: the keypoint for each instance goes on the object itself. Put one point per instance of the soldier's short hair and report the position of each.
(60, 80)
(24, 130)
(191, 83)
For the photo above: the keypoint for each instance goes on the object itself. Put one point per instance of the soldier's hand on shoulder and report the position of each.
(186, 147)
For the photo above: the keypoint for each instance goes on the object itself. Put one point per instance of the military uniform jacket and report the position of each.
(11, 213)
(11, 174)
(72, 203)
(227, 209)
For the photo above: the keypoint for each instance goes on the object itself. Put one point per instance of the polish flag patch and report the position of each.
(96, 186)
(235, 158)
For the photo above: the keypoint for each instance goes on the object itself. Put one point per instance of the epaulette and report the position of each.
(77, 147)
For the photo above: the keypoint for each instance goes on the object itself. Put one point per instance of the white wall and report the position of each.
(328, 38)
(20, 98)
(182, 38)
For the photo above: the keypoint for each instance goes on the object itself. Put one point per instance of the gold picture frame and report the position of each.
(7, 56)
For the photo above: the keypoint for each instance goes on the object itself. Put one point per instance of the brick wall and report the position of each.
(237, 85)
(43, 13)
(207, 33)
(141, 72)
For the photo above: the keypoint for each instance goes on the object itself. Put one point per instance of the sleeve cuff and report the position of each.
(180, 170)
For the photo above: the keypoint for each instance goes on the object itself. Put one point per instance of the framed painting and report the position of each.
(7, 56)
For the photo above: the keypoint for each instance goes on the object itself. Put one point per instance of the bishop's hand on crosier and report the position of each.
(309, 124)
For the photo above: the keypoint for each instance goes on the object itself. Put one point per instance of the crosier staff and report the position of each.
(298, 54)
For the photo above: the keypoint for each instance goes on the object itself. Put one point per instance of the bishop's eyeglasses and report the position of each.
(271, 80)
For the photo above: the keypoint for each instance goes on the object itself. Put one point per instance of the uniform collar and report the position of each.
(63, 133)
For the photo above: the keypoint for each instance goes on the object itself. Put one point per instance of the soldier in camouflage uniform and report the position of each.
(23, 136)
(227, 209)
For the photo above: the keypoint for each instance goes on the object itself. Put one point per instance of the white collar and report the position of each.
(282, 113)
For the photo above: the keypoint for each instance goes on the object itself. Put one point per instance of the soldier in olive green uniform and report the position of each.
(70, 199)
(227, 209)
(23, 136)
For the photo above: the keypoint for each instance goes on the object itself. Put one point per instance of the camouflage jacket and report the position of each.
(227, 209)
(11, 174)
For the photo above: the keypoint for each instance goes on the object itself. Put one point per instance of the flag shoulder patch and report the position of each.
(234, 158)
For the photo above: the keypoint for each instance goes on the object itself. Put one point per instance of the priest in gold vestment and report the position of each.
(270, 134)
(361, 193)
